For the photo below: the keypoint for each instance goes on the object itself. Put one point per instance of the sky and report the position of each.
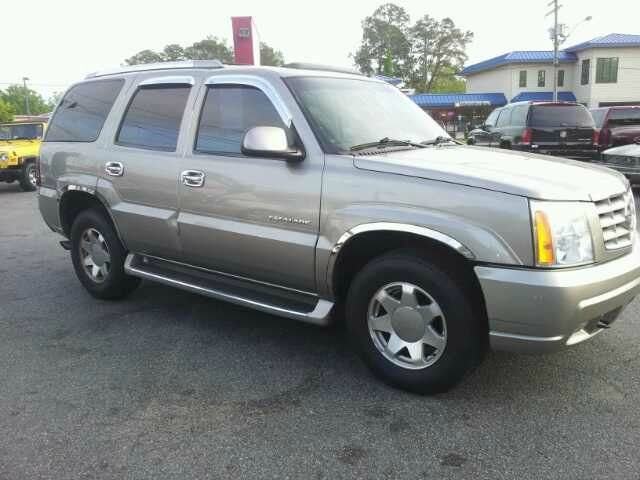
(66, 39)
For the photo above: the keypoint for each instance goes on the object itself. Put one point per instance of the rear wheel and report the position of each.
(28, 177)
(413, 323)
(98, 257)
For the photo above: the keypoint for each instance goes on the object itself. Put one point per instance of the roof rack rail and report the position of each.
(326, 68)
(159, 66)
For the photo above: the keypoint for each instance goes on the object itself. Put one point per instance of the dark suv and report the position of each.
(617, 125)
(554, 128)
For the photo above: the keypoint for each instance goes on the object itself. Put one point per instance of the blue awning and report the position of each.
(543, 97)
(453, 100)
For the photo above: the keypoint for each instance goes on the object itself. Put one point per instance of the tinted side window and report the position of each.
(505, 118)
(228, 112)
(519, 116)
(153, 117)
(83, 110)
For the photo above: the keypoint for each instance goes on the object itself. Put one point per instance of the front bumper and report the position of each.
(533, 311)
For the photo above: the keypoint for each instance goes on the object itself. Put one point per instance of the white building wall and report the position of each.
(506, 79)
(496, 80)
(627, 88)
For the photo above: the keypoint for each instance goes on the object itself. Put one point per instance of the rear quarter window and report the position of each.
(560, 116)
(83, 111)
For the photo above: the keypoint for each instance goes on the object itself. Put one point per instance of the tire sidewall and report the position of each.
(463, 335)
(25, 182)
(111, 285)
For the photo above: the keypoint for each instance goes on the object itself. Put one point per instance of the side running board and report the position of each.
(297, 306)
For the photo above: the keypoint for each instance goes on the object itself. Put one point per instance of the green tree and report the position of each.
(426, 54)
(438, 49)
(384, 34)
(211, 48)
(144, 56)
(269, 56)
(14, 96)
(6, 111)
(172, 52)
(54, 99)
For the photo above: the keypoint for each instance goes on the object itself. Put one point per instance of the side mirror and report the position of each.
(269, 142)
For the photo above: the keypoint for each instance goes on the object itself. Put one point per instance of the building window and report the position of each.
(523, 78)
(541, 78)
(607, 70)
(584, 78)
(561, 78)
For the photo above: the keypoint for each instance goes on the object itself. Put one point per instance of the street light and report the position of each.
(26, 95)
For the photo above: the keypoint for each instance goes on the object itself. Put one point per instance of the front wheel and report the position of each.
(413, 323)
(98, 257)
(28, 177)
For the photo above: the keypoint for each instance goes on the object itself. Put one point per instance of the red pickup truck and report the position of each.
(617, 125)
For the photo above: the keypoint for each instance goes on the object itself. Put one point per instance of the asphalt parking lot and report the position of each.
(171, 385)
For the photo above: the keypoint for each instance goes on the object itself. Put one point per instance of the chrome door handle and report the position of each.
(192, 178)
(115, 169)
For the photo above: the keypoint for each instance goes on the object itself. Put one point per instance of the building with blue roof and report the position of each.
(603, 71)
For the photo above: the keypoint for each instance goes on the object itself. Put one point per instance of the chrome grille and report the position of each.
(617, 219)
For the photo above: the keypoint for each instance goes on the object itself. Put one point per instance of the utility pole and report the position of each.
(555, 36)
(26, 96)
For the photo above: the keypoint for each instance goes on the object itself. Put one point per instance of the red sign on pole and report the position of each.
(246, 44)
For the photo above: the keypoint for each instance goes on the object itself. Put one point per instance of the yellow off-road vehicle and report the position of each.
(19, 150)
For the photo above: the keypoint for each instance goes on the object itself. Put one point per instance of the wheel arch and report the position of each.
(74, 200)
(361, 244)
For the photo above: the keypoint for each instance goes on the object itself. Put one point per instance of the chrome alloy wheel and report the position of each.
(94, 255)
(31, 174)
(407, 325)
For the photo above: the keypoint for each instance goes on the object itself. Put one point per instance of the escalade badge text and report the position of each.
(280, 218)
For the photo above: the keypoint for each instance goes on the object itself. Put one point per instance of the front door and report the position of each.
(253, 217)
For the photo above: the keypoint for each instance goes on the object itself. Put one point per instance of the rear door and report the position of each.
(253, 217)
(140, 175)
(561, 125)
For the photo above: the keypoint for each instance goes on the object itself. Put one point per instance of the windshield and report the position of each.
(347, 112)
(624, 117)
(21, 131)
(560, 116)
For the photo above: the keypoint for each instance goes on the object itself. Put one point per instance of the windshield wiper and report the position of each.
(386, 142)
(439, 140)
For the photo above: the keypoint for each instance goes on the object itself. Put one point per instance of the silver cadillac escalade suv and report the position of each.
(316, 194)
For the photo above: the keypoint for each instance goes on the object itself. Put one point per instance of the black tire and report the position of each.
(27, 177)
(471, 141)
(116, 283)
(464, 332)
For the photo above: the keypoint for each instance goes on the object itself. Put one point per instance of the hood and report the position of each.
(15, 144)
(631, 150)
(517, 173)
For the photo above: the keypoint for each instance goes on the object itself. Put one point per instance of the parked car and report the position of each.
(562, 128)
(617, 125)
(304, 193)
(624, 159)
(19, 149)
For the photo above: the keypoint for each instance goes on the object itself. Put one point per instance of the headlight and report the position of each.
(3, 157)
(561, 233)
